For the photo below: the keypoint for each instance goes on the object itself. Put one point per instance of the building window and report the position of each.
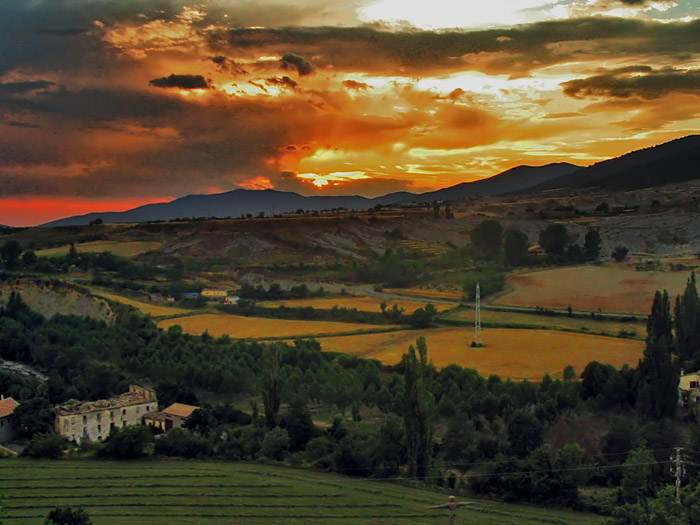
(84, 419)
(693, 384)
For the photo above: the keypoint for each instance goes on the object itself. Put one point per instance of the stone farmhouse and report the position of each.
(78, 421)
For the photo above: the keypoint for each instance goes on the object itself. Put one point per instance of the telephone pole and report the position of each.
(679, 470)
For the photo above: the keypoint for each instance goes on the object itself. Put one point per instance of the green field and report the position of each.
(160, 492)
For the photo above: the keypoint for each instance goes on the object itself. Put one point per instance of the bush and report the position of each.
(180, 443)
(50, 446)
(68, 516)
(619, 253)
(127, 442)
(275, 444)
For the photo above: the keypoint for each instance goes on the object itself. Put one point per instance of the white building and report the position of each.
(92, 420)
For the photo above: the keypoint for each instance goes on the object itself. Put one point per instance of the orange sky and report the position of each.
(110, 105)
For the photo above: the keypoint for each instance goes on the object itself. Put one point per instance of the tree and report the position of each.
(515, 245)
(423, 317)
(49, 446)
(592, 244)
(67, 516)
(639, 475)
(687, 320)
(486, 238)
(524, 432)
(9, 253)
(554, 239)
(619, 253)
(272, 384)
(417, 409)
(659, 377)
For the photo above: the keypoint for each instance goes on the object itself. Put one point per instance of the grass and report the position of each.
(153, 309)
(262, 328)
(123, 249)
(364, 304)
(546, 322)
(185, 492)
(608, 288)
(509, 353)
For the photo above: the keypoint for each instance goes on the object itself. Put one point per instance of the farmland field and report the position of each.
(155, 310)
(427, 293)
(591, 288)
(546, 322)
(123, 249)
(186, 492)
(258, 327)
(518, 354)
(365, 304)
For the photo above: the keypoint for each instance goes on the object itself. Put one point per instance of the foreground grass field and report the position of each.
(517, 354)
(591, 288)
(186, 492)
(258, 327)
(123, 249)
(364, 304)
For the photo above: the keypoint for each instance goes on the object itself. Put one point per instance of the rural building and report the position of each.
(92, 420)
(689, 388)
(215, 293)
(172, 417)
(231, 299)
(7, 409)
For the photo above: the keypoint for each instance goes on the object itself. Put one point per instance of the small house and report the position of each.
(171, 417)
(214, 293)
(7, 409)
(689, 388)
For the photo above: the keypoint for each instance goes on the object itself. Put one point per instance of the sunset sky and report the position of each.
(107, 105)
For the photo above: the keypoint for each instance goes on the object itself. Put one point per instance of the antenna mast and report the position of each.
(477, 318)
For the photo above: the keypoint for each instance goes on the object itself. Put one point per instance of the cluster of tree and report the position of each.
(275, 292)
(491, 242)
(392, 268)
(492, 430)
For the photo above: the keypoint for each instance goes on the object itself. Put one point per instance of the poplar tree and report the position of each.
(418, 409)
(687, 321)
(272, 384)
(658, 386)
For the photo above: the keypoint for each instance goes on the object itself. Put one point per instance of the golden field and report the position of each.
(426, 293)
(123, 249)
(155, 310)
(258, 327)
(591, 288)
(365, 304)
(517, 354)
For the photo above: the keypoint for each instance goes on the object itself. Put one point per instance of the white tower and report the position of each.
(477, 318)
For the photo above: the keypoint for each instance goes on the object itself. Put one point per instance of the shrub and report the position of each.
(50, 446)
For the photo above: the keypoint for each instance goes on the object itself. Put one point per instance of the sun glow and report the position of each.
(332, 179)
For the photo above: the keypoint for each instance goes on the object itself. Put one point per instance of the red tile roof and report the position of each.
(7, 406)
(180, 410)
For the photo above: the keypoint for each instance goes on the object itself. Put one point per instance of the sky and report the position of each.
(107, 105)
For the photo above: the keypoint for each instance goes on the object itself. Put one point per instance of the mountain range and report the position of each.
(674, 161)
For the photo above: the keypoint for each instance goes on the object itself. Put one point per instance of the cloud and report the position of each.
(292, 61)
(181, 82)
(635, 81)
(355, 85)
(25, 87)
(283, 81)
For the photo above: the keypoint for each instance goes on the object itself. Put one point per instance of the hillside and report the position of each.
(270, 202)
(49, 298)
(671, 162)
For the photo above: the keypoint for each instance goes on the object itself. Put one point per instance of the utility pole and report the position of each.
(679, 470)
(477, 318)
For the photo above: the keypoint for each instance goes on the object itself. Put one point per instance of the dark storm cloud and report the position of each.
(515, 50)
(181, 82)
(24, 87)
(292, 61)
(635, 81)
